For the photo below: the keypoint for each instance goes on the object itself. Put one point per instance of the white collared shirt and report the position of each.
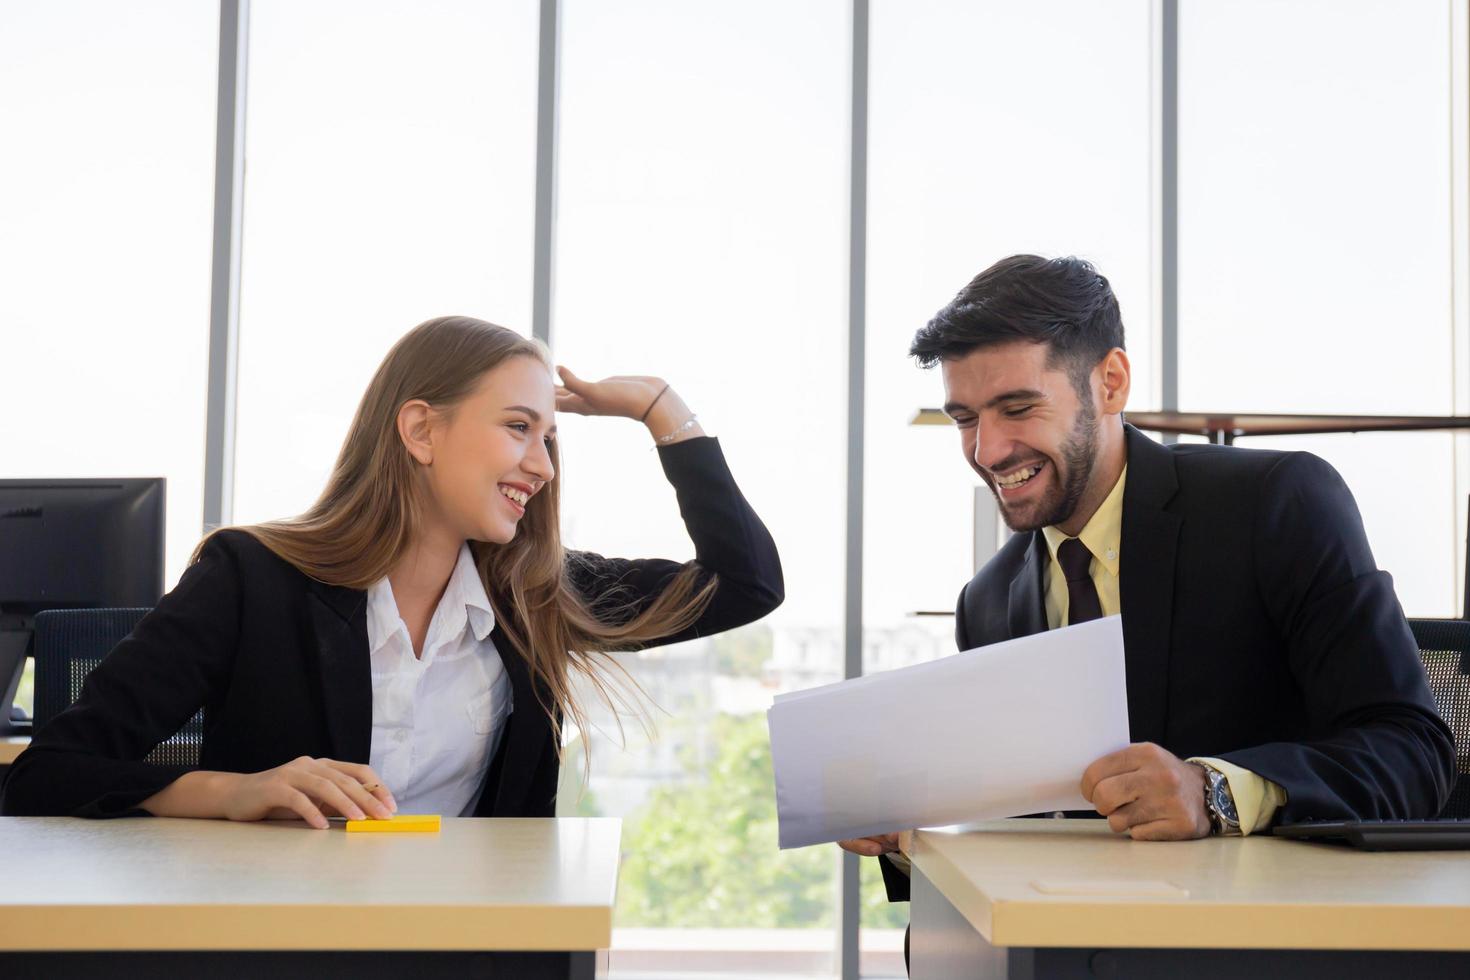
(438, 719)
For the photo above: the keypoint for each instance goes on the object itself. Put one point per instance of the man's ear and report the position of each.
(414, 418)
(1116, 378)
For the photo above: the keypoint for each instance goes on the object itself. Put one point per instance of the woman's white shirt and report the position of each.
(438, 719)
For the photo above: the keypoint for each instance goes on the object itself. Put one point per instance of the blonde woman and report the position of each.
(412, 639)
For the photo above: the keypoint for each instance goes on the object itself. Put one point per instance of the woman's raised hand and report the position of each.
(648, 399)
(628, 396)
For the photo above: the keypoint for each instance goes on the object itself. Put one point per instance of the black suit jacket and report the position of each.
(1257, 629)
(279, 663)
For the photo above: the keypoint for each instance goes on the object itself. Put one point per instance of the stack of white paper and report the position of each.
(993, 732)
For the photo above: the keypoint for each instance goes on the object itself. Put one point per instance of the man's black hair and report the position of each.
(1063, 303)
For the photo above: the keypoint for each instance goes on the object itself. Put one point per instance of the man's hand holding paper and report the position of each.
(1149, 792)
(871, 847)
(997, 731)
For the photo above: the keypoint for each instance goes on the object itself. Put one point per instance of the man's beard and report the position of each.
(1079, 452)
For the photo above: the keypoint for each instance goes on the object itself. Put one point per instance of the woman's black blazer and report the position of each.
(279, 663)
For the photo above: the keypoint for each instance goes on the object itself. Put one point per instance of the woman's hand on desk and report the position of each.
(312, 789)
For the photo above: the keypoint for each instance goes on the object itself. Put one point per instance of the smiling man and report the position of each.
(1271, 675)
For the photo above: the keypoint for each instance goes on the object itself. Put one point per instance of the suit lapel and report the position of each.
(1146, 583)
(1026, 614)
(339, 626)
(526, 737)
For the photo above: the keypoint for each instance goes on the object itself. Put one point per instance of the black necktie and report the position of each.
(1082, 601)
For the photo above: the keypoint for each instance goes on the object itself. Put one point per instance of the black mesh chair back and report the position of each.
(69, 643)
(1444, 646)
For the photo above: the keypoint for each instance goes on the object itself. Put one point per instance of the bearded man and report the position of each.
(1271, 674)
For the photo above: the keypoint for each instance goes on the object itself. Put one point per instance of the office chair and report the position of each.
(1444, 646)
(69, 643)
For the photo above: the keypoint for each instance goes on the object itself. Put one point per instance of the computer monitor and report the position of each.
(72, 544)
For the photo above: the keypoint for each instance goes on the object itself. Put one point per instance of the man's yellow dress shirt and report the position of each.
(1256, 798)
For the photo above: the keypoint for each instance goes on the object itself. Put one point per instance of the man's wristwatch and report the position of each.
(1219, 803)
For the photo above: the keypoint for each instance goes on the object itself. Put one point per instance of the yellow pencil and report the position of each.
(400, 823)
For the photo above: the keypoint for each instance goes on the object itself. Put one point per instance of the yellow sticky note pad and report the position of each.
(399, 823)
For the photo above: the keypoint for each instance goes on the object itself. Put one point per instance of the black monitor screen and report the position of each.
(80, 543)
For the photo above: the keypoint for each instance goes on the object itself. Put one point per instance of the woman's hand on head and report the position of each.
(628, 396)
(649, 400)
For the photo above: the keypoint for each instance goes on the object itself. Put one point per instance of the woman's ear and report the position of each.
(414, 419)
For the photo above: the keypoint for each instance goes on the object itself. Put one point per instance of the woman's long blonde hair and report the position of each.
(369, 513)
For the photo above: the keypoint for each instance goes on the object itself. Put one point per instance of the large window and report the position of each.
(106, 188)
(995, 129)
(1315, 261)
(984, 153)
(702, 222)
(390, 170)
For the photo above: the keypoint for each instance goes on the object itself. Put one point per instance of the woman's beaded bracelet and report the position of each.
(688, 424)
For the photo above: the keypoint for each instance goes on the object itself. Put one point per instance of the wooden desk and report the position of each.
(1067, 898)
(172, 896)
(12, 746)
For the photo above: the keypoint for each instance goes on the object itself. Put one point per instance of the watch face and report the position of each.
(1224, 802)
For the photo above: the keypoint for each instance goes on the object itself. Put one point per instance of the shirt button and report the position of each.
(1112, 555)
(401, 735)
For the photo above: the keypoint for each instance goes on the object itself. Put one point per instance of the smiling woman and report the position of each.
(373, 651)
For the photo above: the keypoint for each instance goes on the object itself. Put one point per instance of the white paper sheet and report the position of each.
(993, 732)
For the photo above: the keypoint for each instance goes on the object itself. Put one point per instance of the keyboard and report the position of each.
(1383, 835)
